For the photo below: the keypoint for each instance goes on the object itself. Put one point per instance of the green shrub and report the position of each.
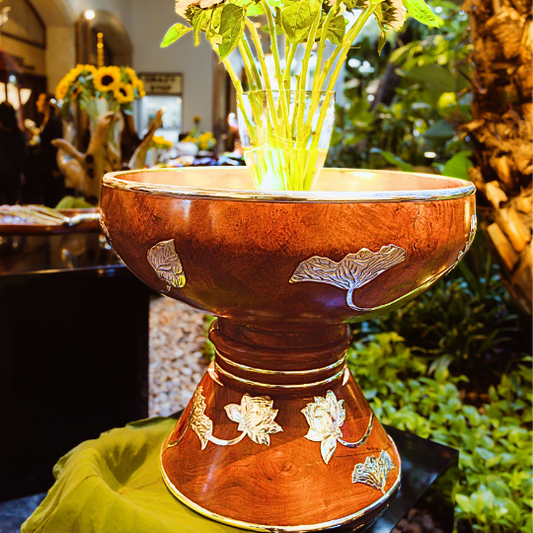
(466, 321)
(494, 489)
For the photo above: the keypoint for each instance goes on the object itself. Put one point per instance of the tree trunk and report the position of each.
(502, 133)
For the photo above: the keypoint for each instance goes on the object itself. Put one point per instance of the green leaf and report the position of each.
(174, 33)
(279, 30)
(440, 132)
(436, 78)
(232, 21)
(383, 36)
(421, 12)
(199, 24)
(394, 160)
(255, 10)
(213, 27)
(297, 19)
(337, 30)
(463, 502)
(458, 165)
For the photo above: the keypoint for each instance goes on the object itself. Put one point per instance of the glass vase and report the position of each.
(285, 136)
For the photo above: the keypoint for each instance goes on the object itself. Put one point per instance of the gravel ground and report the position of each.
(177, 337)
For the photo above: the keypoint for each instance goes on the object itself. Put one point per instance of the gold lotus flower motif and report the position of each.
(325, 417)
(255, 417)
(166, 263)
(374, 471)
(198, 421)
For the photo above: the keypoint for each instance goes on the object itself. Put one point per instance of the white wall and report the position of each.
(120, 8)
(146, 22)
(60, 58)
(149, 23)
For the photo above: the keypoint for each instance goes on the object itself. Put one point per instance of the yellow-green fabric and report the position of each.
(113, 485)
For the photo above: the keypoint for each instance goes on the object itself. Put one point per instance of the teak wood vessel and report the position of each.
(278, 435)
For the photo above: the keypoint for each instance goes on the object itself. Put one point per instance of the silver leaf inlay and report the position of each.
(374, 471)
(352, 272)
(166, 263)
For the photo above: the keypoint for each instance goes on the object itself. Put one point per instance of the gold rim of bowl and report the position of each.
(463, 189)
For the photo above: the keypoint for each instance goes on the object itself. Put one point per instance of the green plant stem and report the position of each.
(238, 90)
(288, 63)
(299, 109)
(343, 49)
(352, 34)
(277, 66)
(249, 64)
(322, 44)
(273, 42)
(261, 56)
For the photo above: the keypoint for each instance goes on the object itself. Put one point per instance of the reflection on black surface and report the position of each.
(423, 461)
(24, 254)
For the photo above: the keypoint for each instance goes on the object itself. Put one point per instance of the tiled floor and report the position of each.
(13, 513)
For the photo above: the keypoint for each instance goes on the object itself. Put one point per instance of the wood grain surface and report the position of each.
(279, 339)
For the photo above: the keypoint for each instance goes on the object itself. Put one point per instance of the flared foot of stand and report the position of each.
(281, 438)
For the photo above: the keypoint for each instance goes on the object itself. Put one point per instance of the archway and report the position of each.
(117, 43)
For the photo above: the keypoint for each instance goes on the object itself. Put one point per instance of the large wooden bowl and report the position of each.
(278, 435)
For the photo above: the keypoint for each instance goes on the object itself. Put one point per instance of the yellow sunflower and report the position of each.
(106, 79)
(132, 75)
(91, 69)
(161, 142)
(62, 89)
(139, 85)
(76, 91)
(73, 74)
(124, 93)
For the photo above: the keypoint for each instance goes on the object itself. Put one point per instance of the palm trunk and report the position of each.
(502, 133)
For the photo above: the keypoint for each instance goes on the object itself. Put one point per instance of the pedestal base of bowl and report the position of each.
(279, 437)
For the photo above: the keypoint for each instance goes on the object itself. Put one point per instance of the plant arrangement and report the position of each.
(106, 94)
(493, 492)
(205, 140)
(285, 127)
(99, 90)
(413, 101)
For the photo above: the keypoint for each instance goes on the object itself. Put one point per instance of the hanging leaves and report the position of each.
(298, 17)
(232, 20)
(421, 12)
(174, 33)
(337, 30)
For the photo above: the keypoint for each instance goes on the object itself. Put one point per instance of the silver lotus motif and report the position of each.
(325, 417)
(255, 417)
(166, 263)
(198, 421)
(374, 471)
(352, 272)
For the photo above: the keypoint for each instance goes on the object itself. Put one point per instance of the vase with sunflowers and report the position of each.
(204, 140)
(99, 90)
(287, 116)
(107, 95)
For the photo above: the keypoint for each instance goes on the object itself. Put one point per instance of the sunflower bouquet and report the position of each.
(204, 140)
(99, 90)
(285, 119)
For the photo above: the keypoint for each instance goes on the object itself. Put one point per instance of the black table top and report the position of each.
(423, 461)
(46, 254)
